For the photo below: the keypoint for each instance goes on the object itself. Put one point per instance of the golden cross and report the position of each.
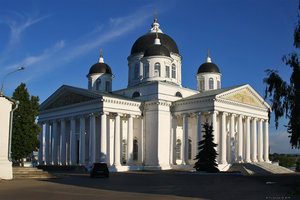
(100, 52)
(207, 52)
(155, 15)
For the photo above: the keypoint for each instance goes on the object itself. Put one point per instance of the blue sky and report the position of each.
(58, 41)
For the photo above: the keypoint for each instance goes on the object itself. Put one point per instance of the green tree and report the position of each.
(298, 165)
(25, 129)
(206, 158)
(285, 97)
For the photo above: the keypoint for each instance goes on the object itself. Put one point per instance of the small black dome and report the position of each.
(157, 50)
(146, 41)
(208, 67)
(100, 68)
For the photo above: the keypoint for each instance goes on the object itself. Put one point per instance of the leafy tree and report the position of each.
(25, 130)
(206, 158)
(298, 165)
(285, 97)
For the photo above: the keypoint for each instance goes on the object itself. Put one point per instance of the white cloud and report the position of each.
(279, 143)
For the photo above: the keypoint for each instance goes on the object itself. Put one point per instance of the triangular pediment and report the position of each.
(67, 95)
(245, 95)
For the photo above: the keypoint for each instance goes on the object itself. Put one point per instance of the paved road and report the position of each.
(150, 185)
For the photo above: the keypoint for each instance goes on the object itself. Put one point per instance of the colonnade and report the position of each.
(85, 139)
(240, 138)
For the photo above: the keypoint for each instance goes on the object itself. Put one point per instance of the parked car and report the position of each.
(99, 169)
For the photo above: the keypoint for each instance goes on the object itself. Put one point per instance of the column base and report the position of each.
(6, 170)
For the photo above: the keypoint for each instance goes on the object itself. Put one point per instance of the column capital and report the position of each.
(185, 114)
(233, 114)
(213, 112)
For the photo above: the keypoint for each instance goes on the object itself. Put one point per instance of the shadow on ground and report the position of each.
(223, 186)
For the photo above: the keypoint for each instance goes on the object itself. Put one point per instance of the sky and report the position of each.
(58, 41)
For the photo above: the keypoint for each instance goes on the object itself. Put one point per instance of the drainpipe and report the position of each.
(10, 129)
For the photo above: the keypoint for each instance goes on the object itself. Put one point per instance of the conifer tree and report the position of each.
(25, 130)
(206, 158)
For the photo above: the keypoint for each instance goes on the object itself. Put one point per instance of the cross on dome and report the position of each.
(101, 60)
(208, 59)
(155, 25)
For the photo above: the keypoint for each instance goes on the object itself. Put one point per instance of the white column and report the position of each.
(248, 139)
(55, 143)
(141, 141)
(254, 141)
(232, 142)
(73, 141)
(260, 141)
(185, 137)
(117, 152)
(173, 140)
(47, 141)
(240, 139)
(82, 141)
(266, 141)
(199, 128)
(214, 126)
(92, 139)
(63, 141)
(223, 139)
(130, 141)
(103, 147)
(41, 137)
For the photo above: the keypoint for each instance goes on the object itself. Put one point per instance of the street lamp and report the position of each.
(21, 68)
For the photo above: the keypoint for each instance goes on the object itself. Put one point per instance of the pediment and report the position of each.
(245, 95)
(69, 98)
(67, 95)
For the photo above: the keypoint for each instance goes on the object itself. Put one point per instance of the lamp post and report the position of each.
(21, 68)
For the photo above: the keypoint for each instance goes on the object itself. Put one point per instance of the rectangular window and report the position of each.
(167, 72)
(107, 86)
(146, 70)
(173, 71)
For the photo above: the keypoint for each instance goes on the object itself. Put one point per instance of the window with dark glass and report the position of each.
(178, 149)
(135, 149)
(190, 149)
(157, 69)
(137, 71)
(146, 70)
(173, 71)
(211, 83)
(167, 72)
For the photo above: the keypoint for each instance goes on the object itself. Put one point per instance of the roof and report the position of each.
(146, 41)
(157, 50)
(208, 67)
(100, 68)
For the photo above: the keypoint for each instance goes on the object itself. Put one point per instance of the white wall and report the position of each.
(5, 164)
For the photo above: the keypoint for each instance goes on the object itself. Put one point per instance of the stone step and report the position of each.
(259, 168)
(30, 173)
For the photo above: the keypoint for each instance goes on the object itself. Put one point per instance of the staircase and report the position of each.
(261, 168)
(30, 173)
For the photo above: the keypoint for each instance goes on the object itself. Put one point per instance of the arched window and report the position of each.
(137, 71)
(201, 84)
(157, 69)
(178, 149)
(146, 70)
(190, 149)
(167, 72)
(173, 71)
(124, 151)
(135, 149)
(107, 86)
(136, 94)
(178, 94)
(98, 83)
(211, 83)
(218, 84)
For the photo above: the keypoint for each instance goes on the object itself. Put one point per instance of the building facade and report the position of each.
(154, 123)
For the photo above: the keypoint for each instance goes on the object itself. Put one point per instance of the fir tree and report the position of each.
(206, 158)
(25, 129)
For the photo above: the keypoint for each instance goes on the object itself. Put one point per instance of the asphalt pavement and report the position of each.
(152, 185)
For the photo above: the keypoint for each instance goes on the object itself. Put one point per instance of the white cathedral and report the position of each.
(154, 123)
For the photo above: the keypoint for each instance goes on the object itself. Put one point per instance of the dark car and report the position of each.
(99, 169)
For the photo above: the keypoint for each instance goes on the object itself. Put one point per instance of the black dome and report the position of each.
(100, 68)
(157, 50)
(208, 67)
(146, 41)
